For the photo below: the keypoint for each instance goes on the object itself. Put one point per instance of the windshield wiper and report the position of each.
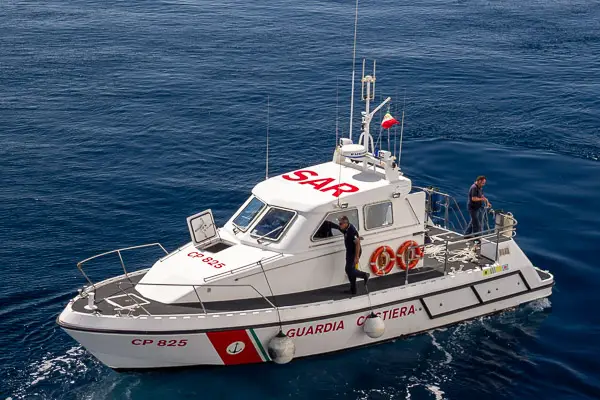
(259, 240)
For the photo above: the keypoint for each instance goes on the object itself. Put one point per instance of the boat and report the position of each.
(270, 286)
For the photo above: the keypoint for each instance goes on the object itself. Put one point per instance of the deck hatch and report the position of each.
(125, 301)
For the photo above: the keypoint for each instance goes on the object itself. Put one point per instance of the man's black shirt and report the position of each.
(350, 235)
(474, 191)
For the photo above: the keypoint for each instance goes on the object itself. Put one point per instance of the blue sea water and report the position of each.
(119, 119)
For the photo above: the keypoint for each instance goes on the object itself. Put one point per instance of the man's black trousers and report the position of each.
(353, 273)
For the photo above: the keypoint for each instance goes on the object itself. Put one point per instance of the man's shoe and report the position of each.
(366, 280)
(349, 292)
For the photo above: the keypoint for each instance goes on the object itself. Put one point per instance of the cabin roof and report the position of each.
(311, 188)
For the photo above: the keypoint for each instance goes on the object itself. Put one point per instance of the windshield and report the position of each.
(247, 215)
(272, 225)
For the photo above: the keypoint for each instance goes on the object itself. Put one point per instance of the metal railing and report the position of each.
(443, 209)
(493, 235)
(442, 203)
(194, 286)
(118, 251)
(243, 267)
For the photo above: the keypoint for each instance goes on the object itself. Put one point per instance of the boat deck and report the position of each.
(119, 295)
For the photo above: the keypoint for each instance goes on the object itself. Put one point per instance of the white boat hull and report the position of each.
(193, 347)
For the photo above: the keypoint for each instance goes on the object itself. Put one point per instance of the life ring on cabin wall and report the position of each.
(382, 260)
(417, 254)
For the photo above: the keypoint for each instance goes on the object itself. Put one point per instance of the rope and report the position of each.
(272, 296)
(438, 252)
(366, 288)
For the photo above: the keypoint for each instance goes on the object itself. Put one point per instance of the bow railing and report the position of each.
(118, 252)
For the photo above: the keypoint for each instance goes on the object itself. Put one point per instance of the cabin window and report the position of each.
(328, 228)
(273, 224)
(247, 215)
(378, 215)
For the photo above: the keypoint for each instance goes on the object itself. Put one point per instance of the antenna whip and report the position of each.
(267, 163)
(396, 129)
(401, 130)
(353, 68)
(337, 107)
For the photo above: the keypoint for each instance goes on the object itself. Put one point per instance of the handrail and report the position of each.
(118, 251)
(449, 204)
(487, 234)
(203, 285)
(243, 267)
(483, 235)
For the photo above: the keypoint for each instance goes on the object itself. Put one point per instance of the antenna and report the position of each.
(268, 112)
(401, 130)
(337, 107)
(396, 127)
(388, 132)
(338, 154)
(362, 82)
(374, 62)
(353, 68)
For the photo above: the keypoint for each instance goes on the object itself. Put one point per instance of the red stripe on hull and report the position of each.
(234, 347)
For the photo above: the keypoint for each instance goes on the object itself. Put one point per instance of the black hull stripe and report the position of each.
(477, 294)
(483, 303)
(420, 298)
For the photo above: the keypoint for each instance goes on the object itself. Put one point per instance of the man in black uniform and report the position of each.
(475, 205)
(353, 250)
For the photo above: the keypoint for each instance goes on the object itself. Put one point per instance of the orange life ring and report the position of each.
(416, 255)
(382, 260)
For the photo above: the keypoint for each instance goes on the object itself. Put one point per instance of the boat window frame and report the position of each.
(283, 231)
(374, 204)
(345, 210)
(253, 220)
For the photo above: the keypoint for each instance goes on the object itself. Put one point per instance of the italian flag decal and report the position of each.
(238, 347)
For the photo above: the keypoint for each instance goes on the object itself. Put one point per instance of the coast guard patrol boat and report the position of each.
(270, 285)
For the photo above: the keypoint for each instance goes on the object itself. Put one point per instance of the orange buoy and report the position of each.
(382, 260)
(416, 253)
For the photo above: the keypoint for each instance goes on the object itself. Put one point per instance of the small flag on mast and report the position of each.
(388, 121)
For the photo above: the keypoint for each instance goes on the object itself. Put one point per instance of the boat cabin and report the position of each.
(286, 228)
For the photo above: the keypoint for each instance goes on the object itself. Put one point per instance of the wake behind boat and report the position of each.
(269, 284)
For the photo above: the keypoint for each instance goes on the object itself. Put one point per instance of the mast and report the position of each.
(368, 94)
(349, 154)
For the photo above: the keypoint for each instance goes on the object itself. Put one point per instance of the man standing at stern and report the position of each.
(475, 206)
(353, 250)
